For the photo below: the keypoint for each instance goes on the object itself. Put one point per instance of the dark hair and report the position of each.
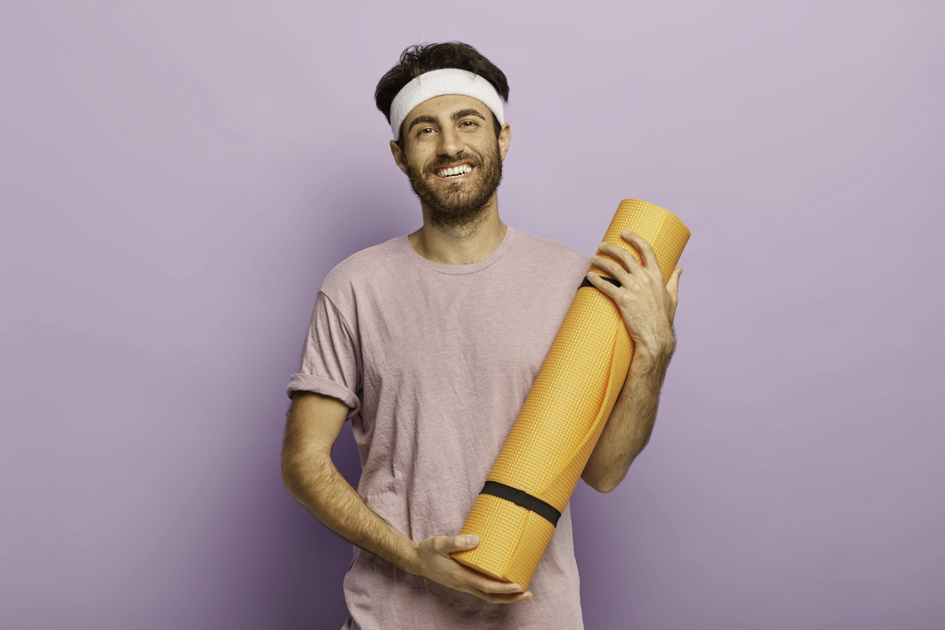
(415, 60)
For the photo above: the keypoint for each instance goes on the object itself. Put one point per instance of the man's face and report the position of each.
(452, 157)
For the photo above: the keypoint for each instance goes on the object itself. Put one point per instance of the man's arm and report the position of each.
(630, 424)
(648, 307)
(311, 477)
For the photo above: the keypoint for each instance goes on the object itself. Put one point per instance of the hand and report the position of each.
(434, 562)
(646, 303)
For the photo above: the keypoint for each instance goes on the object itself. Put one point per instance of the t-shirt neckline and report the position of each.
(488, 261)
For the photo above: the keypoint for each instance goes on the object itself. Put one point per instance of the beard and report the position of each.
(460, 204)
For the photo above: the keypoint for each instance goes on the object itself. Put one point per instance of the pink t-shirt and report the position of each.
(434, 362)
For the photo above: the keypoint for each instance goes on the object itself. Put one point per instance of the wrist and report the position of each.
(647, 357)
(410, 559)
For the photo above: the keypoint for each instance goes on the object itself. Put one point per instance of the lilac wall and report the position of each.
(178, 176)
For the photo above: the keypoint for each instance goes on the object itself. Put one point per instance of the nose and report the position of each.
(451, 143)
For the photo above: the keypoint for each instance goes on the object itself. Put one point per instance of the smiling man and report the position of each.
(429, 344)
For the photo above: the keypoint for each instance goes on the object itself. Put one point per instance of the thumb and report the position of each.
(464, 543)
(673, 285)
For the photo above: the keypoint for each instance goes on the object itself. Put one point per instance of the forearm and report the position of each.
(316, 483)
(631, 421)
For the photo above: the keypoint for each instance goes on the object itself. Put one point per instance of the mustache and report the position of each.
(459, 157)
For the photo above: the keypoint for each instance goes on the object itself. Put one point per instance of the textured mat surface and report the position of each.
(565, 410)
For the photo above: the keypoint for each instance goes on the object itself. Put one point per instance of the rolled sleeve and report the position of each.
(330, 363)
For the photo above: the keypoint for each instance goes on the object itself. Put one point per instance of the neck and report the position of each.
(460, 244)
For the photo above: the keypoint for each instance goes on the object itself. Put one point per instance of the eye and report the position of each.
(468, 123)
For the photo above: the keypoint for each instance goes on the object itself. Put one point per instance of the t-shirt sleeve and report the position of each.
(330, 362)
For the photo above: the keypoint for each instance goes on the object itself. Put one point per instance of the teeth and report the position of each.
(454, 171)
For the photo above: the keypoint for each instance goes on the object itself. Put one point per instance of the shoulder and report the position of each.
(548, 252)
(362, 268)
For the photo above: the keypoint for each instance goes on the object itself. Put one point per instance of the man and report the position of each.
(430, 342)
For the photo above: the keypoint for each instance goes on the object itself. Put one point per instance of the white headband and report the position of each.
(438, 83)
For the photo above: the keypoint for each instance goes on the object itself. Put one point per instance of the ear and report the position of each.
(399, 158)
(505, 137)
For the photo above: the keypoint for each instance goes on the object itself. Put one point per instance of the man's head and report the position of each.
(452, 138)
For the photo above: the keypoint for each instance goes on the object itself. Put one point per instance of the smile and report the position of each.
(453, 172)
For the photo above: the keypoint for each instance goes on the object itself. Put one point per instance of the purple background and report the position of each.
(178, 177)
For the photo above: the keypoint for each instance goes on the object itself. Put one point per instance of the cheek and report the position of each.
(419, 157)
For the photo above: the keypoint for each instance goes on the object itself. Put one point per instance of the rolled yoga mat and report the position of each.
(563, 416)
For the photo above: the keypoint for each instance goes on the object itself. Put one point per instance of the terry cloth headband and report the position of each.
(438, 83)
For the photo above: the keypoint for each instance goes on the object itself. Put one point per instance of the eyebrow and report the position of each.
(432, 121)
(422, 119)
(467, 112)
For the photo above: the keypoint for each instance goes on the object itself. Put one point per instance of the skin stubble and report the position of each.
(454, 207)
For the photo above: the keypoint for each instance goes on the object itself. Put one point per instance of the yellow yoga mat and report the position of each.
(563, 416)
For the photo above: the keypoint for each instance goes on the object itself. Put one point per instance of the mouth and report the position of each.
(453, 173)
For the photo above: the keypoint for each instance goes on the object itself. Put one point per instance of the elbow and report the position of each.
(303, 470)
(291, 471)
(288, 474)
(604, 485)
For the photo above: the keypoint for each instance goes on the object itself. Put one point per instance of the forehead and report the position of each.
(443, 107)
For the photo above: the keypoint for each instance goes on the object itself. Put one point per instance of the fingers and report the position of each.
(491, 590)
(628, 264)
(495, 588)
(612, 269)
(441, 568)
(504, 599)
(643, 246)
(484, 586)
(605, 287)
(483, 583)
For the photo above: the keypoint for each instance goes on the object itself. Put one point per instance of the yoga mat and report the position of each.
(563, 416)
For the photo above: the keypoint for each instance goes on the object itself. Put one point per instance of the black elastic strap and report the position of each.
(522, 499)
(587, 283)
